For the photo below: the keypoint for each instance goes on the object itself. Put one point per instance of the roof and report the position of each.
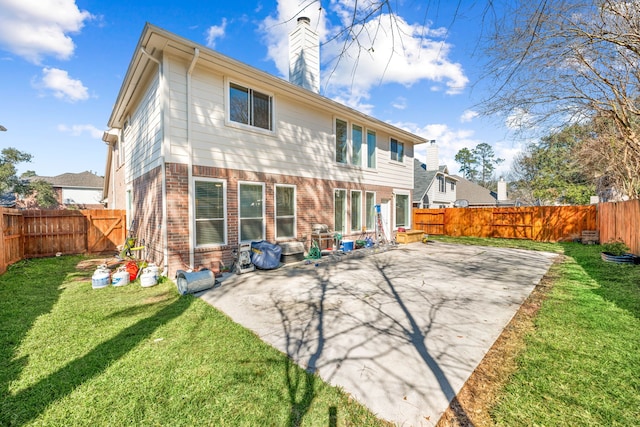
(154, 41)
(423, 178)
(8, 200)
(79, 180)
(475, 194)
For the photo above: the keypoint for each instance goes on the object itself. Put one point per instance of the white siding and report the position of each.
(142, 138)
(81, 196)
(302, 143)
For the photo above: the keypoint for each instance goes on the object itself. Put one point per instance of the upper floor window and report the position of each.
(452, 186)
(356, 145)
(397, 150)
(371, 149)
(250, 107)
(442, 185)
(341, 141)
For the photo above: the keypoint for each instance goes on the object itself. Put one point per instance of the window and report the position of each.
(341, 141)
(402, 210)
(452, 185)
(210, 212)
(356, 211)
(250, 107)
(442, 185)
(370, 210)
(356, 145)
(285, 211)
(397, 150)
(340, 210)
(371, 149)
(251, 212)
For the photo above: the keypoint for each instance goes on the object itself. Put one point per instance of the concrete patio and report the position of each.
(401, 330)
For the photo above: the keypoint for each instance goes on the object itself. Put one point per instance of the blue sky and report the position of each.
(62, 63)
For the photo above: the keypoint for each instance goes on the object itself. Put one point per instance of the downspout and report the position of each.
(163, 172)
(190, 191)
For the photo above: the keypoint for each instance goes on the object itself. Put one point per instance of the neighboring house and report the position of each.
(473, 195)
(7, 200)
(206, 152)
(72, 190)
(433, 186)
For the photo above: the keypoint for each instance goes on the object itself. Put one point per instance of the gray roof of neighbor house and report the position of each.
(473, 193)
(422, 178)
(7, 200)
(72, 180)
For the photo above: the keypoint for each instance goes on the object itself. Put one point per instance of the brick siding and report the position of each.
(314, 199)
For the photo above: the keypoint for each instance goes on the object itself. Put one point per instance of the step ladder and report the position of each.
(381, 237)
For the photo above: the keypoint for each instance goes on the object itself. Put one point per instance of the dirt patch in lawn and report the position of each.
(470, 408)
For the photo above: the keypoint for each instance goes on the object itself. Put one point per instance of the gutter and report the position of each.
(163, 178)
(190, 191)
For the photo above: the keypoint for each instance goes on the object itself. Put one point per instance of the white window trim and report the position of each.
(363, 147)
(404, 151)
(247, 127)
(225, 216)
(344, 212)
(375, 150)
(364, 214)
(363, 133)
(264, 219)
(295, 211)
(395, 200)
(351, 216)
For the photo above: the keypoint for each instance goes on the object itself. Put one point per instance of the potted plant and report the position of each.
(615, 250)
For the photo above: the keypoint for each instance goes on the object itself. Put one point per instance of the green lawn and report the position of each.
(581, 364)
(73, 355)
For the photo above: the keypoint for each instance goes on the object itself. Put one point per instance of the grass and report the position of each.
(73, 355)
(578, 364)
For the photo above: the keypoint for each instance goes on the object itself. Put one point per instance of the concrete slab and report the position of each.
(400, 330)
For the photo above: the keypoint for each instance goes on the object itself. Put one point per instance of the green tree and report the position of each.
(468, 164)
(9, 158)
(43, 194)
(487, 162)
(554, 63)
(551, 170)
(10, 182)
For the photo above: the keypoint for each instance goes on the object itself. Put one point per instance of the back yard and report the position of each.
(73, 355)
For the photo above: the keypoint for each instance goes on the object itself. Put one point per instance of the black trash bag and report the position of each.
(265, 255)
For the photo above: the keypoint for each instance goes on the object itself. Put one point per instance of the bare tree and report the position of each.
(557, 62)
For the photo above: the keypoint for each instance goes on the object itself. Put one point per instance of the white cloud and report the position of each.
(386, 50)
(33, 29)
(215, 32)
(79, 130)
(400, 103)
(63, 86)
(468, 116)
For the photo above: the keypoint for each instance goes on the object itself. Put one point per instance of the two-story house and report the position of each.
(207, 152)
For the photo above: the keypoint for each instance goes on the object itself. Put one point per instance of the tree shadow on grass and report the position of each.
(27, 404)
(28, 290)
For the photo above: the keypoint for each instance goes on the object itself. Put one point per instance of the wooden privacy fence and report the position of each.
(620, 220)
(42, 233)
(542, 223)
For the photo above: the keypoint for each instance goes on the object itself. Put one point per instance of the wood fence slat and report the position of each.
(41, 233)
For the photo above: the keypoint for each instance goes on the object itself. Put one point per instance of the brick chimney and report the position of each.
(304, 56)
